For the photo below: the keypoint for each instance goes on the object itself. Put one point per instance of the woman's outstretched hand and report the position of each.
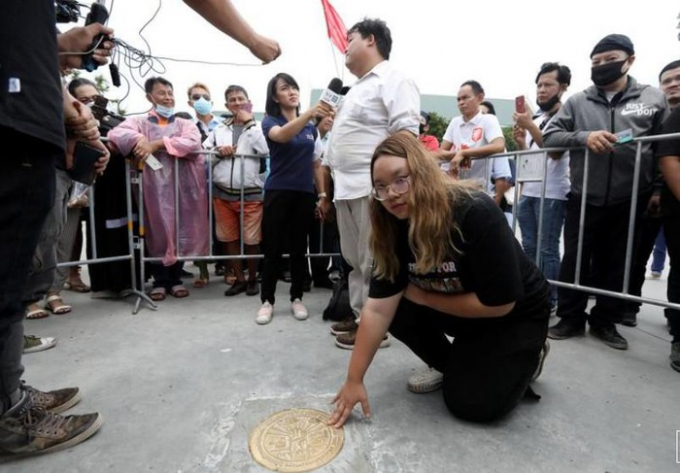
(350, 393)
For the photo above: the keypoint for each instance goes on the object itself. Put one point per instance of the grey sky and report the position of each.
(439, 43)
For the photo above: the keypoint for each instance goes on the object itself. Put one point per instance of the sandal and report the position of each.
(203, 275)
(157, 294)
(179, 291)
(35, 312)
(55, 304)
(200, 283)
(77, 285)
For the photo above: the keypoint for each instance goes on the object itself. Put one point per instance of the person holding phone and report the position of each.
(238, 139)
(289, 191)
(447, 264)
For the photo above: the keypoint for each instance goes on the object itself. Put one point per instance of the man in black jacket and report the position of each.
(592, 118)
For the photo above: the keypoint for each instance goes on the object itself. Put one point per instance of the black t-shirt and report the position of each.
(30, 89)
(492, 263)
(669, 204)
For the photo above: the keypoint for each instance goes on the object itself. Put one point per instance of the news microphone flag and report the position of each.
(337, 32)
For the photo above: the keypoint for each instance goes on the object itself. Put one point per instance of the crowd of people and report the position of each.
(423, 227)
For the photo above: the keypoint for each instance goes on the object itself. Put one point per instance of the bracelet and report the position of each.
(322, 195)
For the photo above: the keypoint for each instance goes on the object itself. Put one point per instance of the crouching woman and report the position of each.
(446, 263)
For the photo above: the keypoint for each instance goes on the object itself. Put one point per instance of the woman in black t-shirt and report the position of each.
(446, 263)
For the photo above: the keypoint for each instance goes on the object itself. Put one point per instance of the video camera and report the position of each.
(68, 11)
(107, 120)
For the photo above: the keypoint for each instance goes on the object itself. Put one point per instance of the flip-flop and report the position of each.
(200, 283)
(35, 312)
(179, 291)
(60, 309)
(158, 294)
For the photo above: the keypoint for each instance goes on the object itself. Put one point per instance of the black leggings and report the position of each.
(286, 219)
(488, 366)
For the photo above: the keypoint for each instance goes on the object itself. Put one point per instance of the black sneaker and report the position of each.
(566, 329)
(29, 430)
(252, 288)
(629, 319)
(237, 288)
(610, 336)
(675, 356)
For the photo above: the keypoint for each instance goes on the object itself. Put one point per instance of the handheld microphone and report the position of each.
(331, 95)
(98, 14)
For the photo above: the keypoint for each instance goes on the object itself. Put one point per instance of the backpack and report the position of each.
(338, 308)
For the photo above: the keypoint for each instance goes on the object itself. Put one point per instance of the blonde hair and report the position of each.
(430, 202)
(197, 85)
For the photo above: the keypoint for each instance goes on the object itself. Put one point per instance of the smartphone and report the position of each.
(248, 107)
(85, 157)
(519, 104)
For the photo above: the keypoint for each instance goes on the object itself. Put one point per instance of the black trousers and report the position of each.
(27, 187)
(646, 234)
(671, 227)
(488, 366)
(285, 222)
(167, 276)
(604, 247)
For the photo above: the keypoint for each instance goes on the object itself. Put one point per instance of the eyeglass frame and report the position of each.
(387, 188)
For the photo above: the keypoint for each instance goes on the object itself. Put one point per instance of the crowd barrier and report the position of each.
(530, 167)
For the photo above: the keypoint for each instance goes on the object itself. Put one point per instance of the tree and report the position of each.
(438, 125)
(510, 143)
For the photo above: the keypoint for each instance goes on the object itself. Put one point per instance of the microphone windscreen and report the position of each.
(335, 85)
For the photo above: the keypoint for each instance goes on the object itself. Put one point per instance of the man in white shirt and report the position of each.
(552, 81)
(475, 135)
(382, 102)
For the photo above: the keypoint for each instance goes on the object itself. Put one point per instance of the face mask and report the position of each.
(607, 73)
(166, 112)
(547, 106)
(421, 128)
(202, 106)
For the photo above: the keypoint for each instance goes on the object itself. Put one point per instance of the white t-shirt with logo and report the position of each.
(557, 178)
(479, 131)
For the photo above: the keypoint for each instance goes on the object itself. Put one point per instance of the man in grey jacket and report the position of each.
(592, 118)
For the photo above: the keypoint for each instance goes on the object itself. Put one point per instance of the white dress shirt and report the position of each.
(381, 103)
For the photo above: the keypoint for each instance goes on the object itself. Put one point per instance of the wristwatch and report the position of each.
(322, 195)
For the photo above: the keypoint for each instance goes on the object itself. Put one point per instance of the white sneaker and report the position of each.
(264, 315)
(33, 344)
(299, 310)
(425, 381)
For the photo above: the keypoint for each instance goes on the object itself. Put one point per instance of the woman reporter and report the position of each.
(289, 201)
(446, 263)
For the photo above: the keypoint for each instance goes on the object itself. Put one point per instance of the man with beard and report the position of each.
(552, 81)
(592, 118)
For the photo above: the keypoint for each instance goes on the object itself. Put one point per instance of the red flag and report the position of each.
(337, 31)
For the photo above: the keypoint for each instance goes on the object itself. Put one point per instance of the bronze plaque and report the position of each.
(295, 440)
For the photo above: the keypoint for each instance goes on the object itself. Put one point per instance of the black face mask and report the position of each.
(422, 128)
(607, 73)
(547, 106)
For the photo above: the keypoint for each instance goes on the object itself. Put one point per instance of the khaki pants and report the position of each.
(354, 224)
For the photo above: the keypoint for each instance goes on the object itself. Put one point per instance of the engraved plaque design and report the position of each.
(295, 440)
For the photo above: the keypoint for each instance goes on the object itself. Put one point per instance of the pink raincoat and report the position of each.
(182, 139)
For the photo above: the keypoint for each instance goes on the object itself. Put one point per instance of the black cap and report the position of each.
(614, 42)
(425, 115)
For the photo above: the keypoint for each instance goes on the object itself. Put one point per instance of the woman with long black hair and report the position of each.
(446, 263)
(289, 200)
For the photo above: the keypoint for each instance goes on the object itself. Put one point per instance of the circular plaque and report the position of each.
(295, 440)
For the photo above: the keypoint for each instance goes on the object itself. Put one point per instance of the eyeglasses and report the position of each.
(399, 186)
(197, 97)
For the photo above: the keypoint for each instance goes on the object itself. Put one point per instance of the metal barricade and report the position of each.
(210, 257)
(527, 156)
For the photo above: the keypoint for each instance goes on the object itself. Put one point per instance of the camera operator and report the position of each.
(33, 111)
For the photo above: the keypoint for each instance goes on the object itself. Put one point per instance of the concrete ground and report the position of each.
(181, 388)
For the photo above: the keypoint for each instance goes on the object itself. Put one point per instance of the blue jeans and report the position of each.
(659, 253)
(553, 219)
